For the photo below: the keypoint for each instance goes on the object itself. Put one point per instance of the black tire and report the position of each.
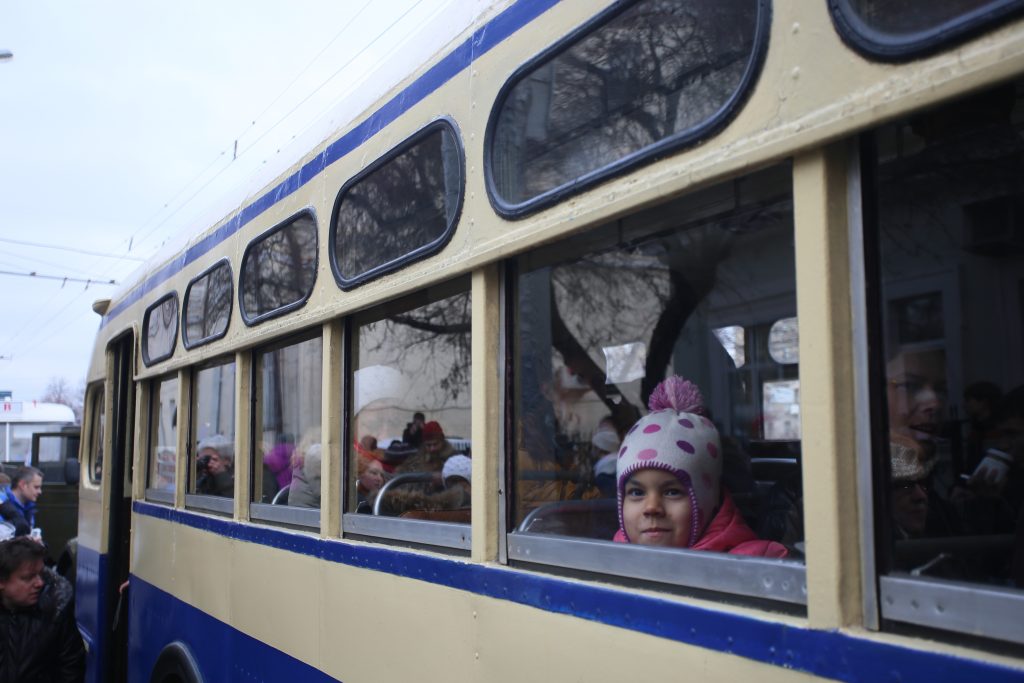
(175, 665)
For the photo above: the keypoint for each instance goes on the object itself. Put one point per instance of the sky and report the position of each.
(126, 126)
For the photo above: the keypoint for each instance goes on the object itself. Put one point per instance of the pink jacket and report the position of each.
(729, 533)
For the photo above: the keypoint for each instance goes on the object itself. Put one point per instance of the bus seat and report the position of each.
(458, 516)
(597, 518)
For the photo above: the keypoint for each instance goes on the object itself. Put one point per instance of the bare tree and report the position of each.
(59, 390)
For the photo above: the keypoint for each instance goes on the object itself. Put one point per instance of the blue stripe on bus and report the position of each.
(91, 609)
(478, 44)
(831, 654)
(222, 653)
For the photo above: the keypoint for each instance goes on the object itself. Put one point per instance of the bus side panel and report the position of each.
(221, 652)
(90, 608)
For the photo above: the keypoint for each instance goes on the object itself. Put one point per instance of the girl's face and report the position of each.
(656, 509)
(373, 478)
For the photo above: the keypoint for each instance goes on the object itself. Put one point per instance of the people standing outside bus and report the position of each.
(39, 640)
(19, 505)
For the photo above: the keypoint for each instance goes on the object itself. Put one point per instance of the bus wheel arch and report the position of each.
(175, 665)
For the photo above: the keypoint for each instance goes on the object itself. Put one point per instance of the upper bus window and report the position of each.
(279, 270)
(401, 208)
(163, 434)
(213, 431)
(900, 30)
(411, 409)
(950, 198)
(160, 329)
(288, 449)
(208, 305)
(657, 75)
(693, 288)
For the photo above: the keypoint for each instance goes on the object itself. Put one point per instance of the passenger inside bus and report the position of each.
(669, 480)
(427, 492)
(304, 491)
(371, 477)
(215, 466)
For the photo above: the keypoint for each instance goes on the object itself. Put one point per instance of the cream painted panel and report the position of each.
(275, 598)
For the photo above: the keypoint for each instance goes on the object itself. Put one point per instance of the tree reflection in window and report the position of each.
(161, 330)
(661, 70)
(279, 270)
(405, 206)
(208, 305)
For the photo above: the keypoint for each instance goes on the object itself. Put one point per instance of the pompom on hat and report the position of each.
(676, 436)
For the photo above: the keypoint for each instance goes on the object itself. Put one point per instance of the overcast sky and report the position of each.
(118, 123)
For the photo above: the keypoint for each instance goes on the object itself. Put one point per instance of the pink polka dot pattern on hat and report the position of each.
(686, 446)
(650, 429)
(712, 450)
(686, 423)
(647, 454)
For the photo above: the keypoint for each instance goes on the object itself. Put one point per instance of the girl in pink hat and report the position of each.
(668, 476)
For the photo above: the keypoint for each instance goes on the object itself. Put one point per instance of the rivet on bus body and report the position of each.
(476, 655)
(913, 603)
(474, 614)
(795, 73)
(940, 608)
(796, 27)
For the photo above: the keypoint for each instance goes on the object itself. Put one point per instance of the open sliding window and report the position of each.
(402, 208)
(287, 450)
(160, 329)
(896, 31)
(208, 306)
(279, 269)
(948, 255)
(641, 80)
(211, 476)
(701, 287)
(163, 440)
(409, 452)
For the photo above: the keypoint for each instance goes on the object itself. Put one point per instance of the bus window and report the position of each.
(97, 422)
(212, 462)
(286, 468)
(693, 288)
(902, 30)
(410, 424)
(160, 327)
(622, 90)
(949, 190)
(402, 208)
(279, 269)
(163, 439)
(208, 306)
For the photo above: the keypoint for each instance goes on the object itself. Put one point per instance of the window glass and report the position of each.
(289, 425)
(163, 434)
(213, 457)
(660, 71)
(403, 207)
(208, 305)
(950, 198)
(279, 270)
(161, 325)
(97, 423)
(411, 410)
(692, 289)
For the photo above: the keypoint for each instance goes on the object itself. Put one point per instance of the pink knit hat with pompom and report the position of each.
(676, 437)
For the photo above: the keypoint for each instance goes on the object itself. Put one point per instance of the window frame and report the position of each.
(144, 337)
(882, 47)
(443, 123)
(188, 343)
(443, 536)
(306, 518)
(295, 305)
(952, 607)
(200, 501)
(155, 495)
(95, 416)
(685, 139)
(783, 582)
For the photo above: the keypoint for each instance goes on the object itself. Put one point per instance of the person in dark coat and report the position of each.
(39, 640)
